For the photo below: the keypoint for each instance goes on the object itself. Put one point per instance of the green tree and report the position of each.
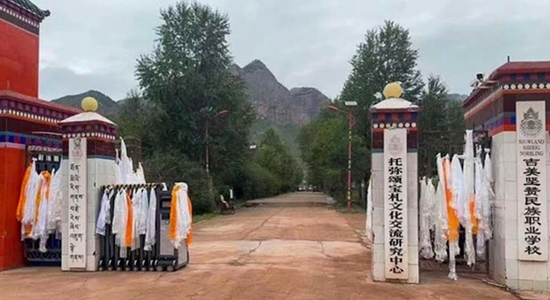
(386, 55)
(184, 84)
(257, 182)
(135, 116)
(324, 147)
(440, 124)
(274, 156)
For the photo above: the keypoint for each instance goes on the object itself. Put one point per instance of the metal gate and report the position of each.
(428, 168)
(47, 158)
(161, 257)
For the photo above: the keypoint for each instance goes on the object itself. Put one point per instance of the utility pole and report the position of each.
(351, 123)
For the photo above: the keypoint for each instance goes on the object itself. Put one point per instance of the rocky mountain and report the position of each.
(273, 101)
(458, 97)
(107, 106)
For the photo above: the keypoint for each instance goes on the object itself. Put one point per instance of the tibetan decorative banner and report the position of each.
(395, 204)
(531, 180)
(77, 203)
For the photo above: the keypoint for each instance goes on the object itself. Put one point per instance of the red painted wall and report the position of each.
(11, 247)
(18, 60)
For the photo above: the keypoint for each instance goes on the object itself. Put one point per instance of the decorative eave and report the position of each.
(393, 105)
(23, 14)
(17, 105)
(87, 117)
(28, 8)
(509, 68)
(394, 112)
(89, 124)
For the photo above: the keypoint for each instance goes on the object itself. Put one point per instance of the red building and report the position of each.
(28, 125)
(492, 104)
(492, 107)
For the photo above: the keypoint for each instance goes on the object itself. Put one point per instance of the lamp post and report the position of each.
(351, 122)
(253, 150)
(206, 131)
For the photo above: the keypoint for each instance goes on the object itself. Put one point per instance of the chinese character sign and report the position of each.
(531, 180)
(395, 203)
(77, 203)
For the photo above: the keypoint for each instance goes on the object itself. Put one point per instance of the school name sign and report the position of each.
(531, 180)
(395, 204)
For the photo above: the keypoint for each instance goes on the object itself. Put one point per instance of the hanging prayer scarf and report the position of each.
(425, 243)
(189, 239)
(180, 215)
(173, 233)
(368, 225)
(23, 193)
(441, 223)
(452, 233)
(151, 221)
(102, 217)
(129, 232)
(469, 198)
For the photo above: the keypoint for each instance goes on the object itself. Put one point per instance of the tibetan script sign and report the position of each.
(77, 203)
(531, 180)
(395, 203)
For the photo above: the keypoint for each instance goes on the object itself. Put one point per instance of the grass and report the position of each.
(204, 217)
(342, 208)
(210, 215)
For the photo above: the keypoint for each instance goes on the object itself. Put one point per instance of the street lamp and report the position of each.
(206, 131)
(253, 150)
(351, 122)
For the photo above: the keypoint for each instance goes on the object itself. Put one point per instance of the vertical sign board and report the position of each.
(395, 204)
(531, 180)
(77, 203)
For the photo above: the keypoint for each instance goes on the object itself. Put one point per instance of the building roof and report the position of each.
(512, 67)
(394, 103)
(39, 102)
(31, 7)
(87, 117)
(515, 67)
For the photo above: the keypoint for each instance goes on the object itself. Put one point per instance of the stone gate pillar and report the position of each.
(88, 163)
(512, 106)
(395, 188)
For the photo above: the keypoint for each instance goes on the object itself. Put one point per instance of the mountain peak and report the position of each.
(106, 105)
(255, 65)
(235, 70)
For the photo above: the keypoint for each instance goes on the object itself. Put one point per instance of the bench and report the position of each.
(227, 207)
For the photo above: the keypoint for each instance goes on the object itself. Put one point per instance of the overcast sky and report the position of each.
(93, 44)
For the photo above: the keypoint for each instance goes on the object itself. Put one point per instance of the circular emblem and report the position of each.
(531, 125)
(77, 149)
(395, 146)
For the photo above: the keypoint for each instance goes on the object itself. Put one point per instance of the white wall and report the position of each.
(100, 172)
(505, 268)
(378, 256)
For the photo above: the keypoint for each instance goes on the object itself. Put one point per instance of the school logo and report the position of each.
(395, 146)
(77, 148)
(531, 125)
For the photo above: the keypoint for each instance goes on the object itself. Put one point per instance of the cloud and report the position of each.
(59, 81)
(89, 44)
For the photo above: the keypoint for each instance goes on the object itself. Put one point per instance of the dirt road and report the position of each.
(272, 251)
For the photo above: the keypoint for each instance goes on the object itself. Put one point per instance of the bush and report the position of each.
(258, 182)
(171, 167)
